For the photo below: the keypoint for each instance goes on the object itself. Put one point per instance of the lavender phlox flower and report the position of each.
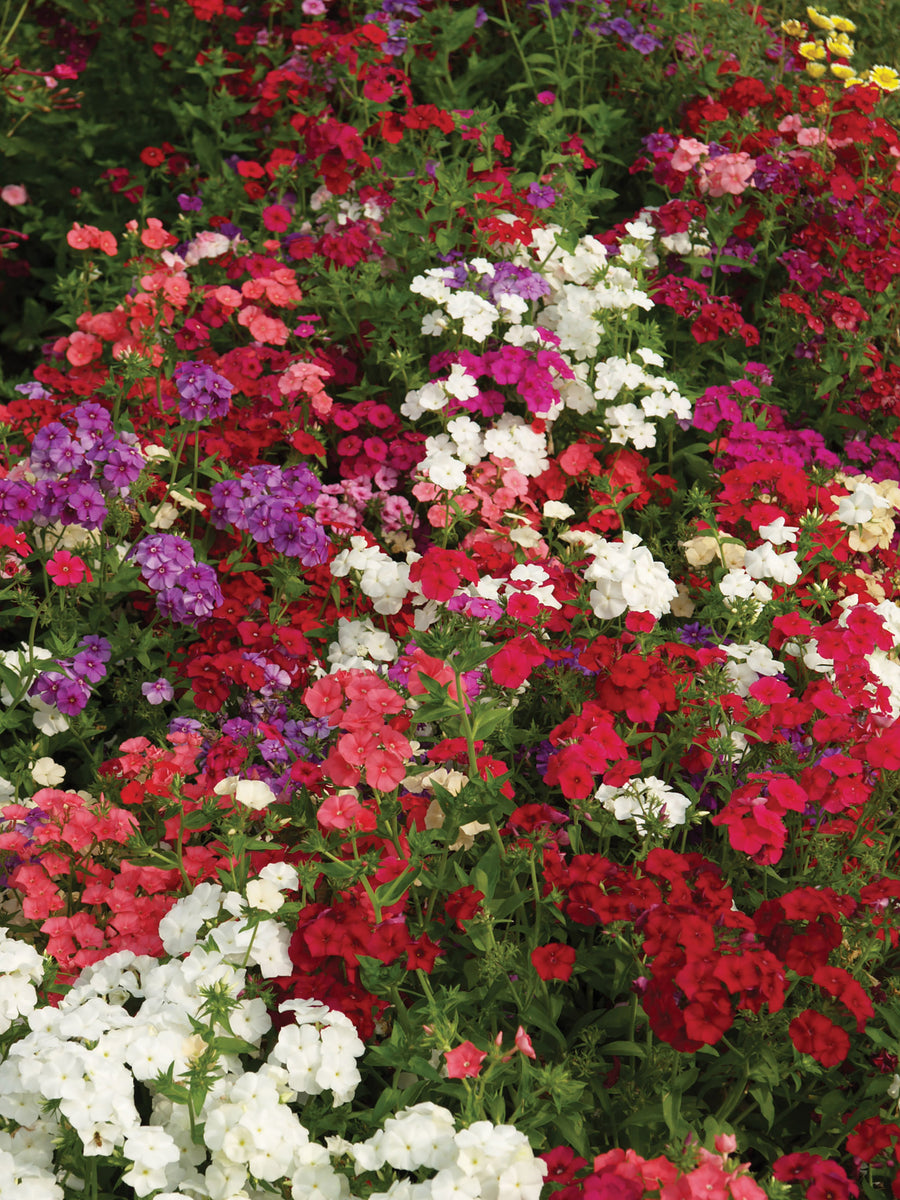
(33, 390)
(205, 396)
(89, 666)
(540, 195)
(81, 503)
(157, 691)
(53, 452)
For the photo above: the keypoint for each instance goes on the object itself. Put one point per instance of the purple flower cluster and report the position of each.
(205, 396)
(75, 466)
(395, 15)
(507, 279)
(68, 687)
(187, 591)
(636, 37)
(266, 502)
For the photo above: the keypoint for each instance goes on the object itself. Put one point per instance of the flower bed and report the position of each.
(450, 603)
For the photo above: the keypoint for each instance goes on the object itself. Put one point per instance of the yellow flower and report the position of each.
(842, 24)
(840, 45)
(852, 81)
(811, 50)
(793, 28)
(842, 71)
(819, 19)
(885, 78)
(816, 70)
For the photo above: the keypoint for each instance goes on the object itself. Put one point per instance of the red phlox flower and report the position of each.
(813, 1033)
(513, 663)
(553, 961)
(871, 1138)
(840, 983)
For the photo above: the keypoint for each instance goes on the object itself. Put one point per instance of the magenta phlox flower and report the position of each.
(18, 501)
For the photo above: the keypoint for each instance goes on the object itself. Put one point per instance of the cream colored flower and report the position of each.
(48, 773)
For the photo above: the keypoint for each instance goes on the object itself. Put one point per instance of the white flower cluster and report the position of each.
(21, 967)
(477, 313)
(434, 396)
(626, 576)
(859, 507)
(630, 424)
(483, 1162)
(46, 717)
(383, 580)
(358, 642)
(132, 1029)
(749, 662)
(88, 1055)
(585, 282)
(642, 798)
(465, 444)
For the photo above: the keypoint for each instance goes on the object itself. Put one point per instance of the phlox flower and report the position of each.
(251, 793)
(553, 961)
(727, 175)
(344, 811)
(158, 691)
(66, 570)
(464, 1062)
(813, 1033)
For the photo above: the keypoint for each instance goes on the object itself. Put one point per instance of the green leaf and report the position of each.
(763, 1098)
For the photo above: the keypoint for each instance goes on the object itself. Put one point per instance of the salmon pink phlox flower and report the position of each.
(688, 152)
(729, 174)
(344, 811)
(465, 1061)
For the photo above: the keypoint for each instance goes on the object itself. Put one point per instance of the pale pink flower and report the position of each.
(689, 152)
(729, 174)
(14, 194)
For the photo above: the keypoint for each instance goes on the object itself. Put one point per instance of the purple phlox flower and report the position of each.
(82, 503)
(72, 696)
(659, 143)
(98, 646)
(645, 43)
(122, 467)
(88, 665)
(18, 501)
(204, 395)
(540, 195)
(553, 8)
(33, 390)
(47, 686)
(54, 452)
(158, 691)
(189, 203)
(91, 420)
